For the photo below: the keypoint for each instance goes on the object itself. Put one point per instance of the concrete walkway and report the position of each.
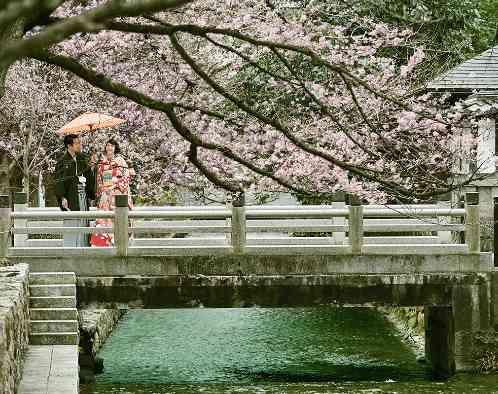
(50, 370)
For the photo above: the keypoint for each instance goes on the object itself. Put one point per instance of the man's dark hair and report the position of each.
(113, 142)
(69, 139)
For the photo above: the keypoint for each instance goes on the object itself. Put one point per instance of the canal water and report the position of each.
(257, 350)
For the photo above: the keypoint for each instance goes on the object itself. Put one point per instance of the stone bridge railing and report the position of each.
(335, 229)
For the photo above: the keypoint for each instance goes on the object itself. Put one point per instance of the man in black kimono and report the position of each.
(74, 186)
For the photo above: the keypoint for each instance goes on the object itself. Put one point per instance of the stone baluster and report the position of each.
(238, 223)
(339, 236)
(443, 235)
(355, 224)
(20, 205)
(472, 228)
(5, 223)
(121, 225)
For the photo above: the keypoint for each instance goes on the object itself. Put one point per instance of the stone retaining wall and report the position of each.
(95, 327)
(14, 324)
(409, 322)
(486, 343)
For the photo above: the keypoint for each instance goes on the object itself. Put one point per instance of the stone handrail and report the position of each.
(241, 220)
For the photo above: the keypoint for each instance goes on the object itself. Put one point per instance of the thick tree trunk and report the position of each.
(11, 31)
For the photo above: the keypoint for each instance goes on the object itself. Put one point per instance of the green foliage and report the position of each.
(451, 30)
(256, 88)
(319, 199)
(265, 198)
(168, 197)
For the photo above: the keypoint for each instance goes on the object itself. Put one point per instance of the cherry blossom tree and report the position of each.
(247, 95)
(30, 113)
(26, 119)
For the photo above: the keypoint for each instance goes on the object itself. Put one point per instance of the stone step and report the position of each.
(38, 326)
(52, 302)
(52, 278)
(52, 290)
(54, 338)
(53, 314)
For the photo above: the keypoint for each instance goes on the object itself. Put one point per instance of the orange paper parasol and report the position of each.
(89, 122)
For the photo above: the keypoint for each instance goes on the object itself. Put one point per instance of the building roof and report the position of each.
(477, 74)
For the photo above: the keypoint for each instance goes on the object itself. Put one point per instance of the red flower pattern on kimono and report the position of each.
(113, 177)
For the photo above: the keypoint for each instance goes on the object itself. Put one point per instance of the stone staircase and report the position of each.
(53, 313)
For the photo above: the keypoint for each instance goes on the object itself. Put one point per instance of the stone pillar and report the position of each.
(5, 223)
(453, 333)
(355, 221)
(472, 317)
(339, 237)
(121, 224)
(238, 223)
(460, 235)
(472, 226)
(20, 205)
(440, 340)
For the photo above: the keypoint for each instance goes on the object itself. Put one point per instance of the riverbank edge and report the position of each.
(409, 324)
(14, 324)
(95, 325)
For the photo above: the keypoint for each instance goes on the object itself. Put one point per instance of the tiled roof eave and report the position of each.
(479, 73)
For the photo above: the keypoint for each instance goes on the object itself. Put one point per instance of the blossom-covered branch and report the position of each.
(88, 21)
(256, 100)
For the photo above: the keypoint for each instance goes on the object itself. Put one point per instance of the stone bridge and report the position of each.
(458, 291)
(455, 283)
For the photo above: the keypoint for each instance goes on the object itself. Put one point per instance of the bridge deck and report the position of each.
(258, 264)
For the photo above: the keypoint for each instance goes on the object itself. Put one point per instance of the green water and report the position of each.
(288, 350)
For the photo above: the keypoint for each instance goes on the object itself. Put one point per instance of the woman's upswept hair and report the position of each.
(113, 142)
